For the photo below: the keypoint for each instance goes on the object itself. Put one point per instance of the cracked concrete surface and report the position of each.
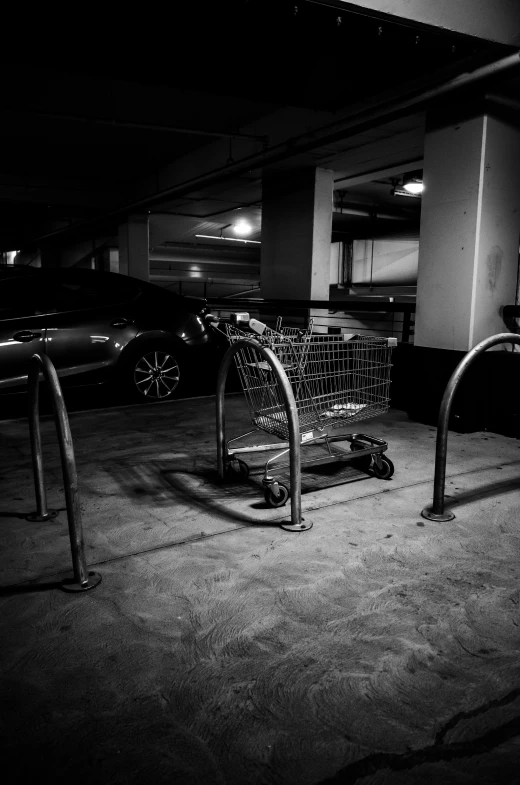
(376, 648)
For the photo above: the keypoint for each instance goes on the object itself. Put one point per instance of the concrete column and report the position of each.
(470, 229)
(296, 234)
(133, 247)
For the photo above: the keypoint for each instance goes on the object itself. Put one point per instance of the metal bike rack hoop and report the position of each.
(83, 580)
(296, 523)
(436, 512)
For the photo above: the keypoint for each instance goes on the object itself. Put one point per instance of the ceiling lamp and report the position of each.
(401, 192)
(413, 183)
(242, 227)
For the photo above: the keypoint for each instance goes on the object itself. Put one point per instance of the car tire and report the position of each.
(155, 371)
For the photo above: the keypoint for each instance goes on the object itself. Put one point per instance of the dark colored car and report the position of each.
(102, 327)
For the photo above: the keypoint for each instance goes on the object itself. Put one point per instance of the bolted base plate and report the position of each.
(298, 527)
(48, 516)
(434, 516)
(69, 584)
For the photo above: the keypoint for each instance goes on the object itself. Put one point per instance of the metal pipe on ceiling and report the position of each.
(365, 117)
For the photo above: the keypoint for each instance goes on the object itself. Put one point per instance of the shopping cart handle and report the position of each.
(242, 321)
(257, 326)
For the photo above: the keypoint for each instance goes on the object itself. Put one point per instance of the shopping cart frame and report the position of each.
(364, 444)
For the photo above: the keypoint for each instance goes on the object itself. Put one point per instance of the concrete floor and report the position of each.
(376, 648)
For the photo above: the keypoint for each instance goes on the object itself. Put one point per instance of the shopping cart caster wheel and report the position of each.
(386, 471)
(236, 470)
(363, 462)
(275, 499)
(241, 468)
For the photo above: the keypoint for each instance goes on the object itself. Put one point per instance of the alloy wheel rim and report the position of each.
(156, 375)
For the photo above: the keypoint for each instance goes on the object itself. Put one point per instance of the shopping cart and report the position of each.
(335, 381)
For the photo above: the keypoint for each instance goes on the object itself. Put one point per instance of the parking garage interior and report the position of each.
(350, 166)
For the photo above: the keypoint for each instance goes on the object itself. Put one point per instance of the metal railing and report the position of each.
(436, 511)
(366, 316)
(296, 523)
(83, 579)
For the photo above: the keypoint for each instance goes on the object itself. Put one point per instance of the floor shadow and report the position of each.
(195, 482)
(28, 588)
(492, 489)
(216, 495)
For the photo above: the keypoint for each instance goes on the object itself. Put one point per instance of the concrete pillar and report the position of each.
(133, 247)
(468, 267)
(296, 234)
(470, 230)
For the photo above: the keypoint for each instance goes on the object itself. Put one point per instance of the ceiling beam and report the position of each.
(349, 181)
(65, 193)
(377, 111)
(112, 123)
(490, 20)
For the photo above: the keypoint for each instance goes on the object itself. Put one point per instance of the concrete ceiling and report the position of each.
(102, 117)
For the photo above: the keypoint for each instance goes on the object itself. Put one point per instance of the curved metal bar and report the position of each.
(42, 512)
(83, 580)
(292, 421)
(436, 511)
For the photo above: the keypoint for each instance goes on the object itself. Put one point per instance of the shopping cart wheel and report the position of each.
(386, 470)
(237, 470)
(243, 469)
(275, 499)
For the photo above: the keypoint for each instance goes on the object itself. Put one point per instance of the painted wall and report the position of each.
(336, 266)
(385, 262)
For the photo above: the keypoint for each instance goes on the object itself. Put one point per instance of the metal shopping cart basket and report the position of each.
(318, 384)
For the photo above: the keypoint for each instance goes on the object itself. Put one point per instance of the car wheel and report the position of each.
(155, 373)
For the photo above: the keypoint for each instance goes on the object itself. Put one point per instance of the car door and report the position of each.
(22, 330)
(93, 322)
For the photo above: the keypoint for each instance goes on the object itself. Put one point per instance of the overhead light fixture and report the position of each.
(413, 183)
(231, 239)
(402, 192)
(242, 227)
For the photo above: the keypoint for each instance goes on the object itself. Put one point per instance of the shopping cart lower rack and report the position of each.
(303, 388)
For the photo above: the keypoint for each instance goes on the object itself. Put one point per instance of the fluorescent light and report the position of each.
(413, 182)
(402, 192)
(231, 239)
(414, 187)
(242, 227)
